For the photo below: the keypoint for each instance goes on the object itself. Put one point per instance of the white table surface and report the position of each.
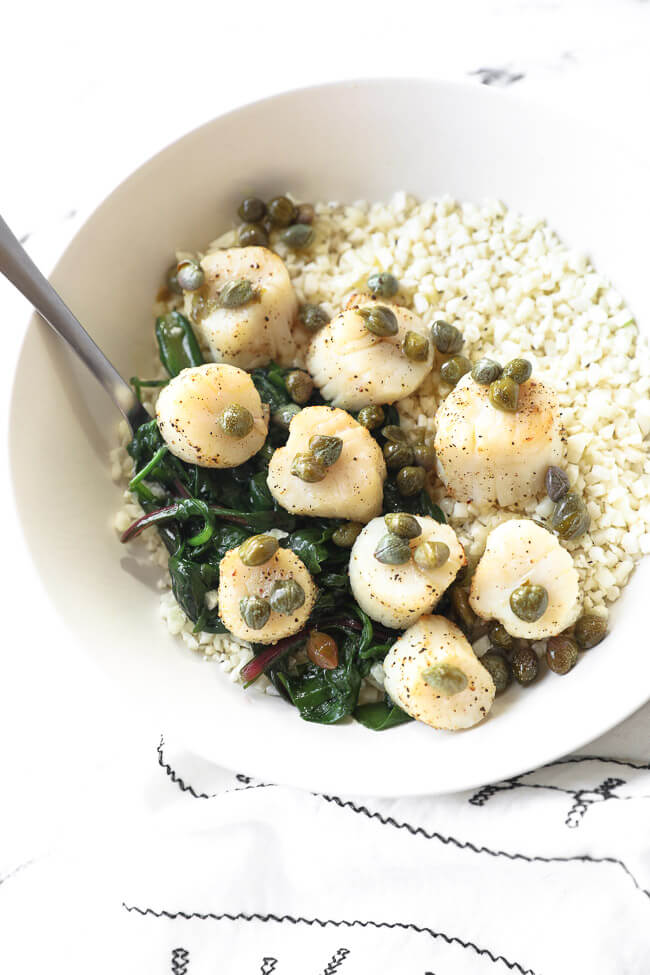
(88, 93)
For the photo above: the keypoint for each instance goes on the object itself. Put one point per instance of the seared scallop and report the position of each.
(487, 455)
(246, 308)
(331, 467)
(434, 675)
(212, 415)
(355, 366)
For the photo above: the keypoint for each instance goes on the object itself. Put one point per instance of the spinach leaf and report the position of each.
(261, 498)
(177, 343)
(309, 544)
(381, 715)
(326, 696)
(190, 582)
(419, 504)
(271, 386)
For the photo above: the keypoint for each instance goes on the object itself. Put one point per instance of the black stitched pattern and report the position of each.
(268, 966)
(500, 77)
(330, 922)
(184, 787)
(336, 961)
(180, 961)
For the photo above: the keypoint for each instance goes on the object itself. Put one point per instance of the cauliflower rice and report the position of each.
(512, 288)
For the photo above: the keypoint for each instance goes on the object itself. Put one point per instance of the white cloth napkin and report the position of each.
(177, 867)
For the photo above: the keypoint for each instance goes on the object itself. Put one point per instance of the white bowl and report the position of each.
(344, 142)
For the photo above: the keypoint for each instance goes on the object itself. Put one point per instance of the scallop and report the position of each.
(352, 487)
(519, 552)
(190, 408)
(434, 675)
(238, 581)
(355, 368)
(489, 456)
(254, 332)
(397, 595)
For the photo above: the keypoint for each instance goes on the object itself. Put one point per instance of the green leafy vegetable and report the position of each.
(177, 343)
(381, 715)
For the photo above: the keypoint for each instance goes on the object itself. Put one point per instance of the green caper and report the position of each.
(504, 394)
(485, 371)
(383, 283)
(258, 549)
(298, 236)
(299, 385)
(286, 596)
(446, 338)
(590, 630)
(326, 450)
(237, 293)
(529, 602)
(307, 468)
(410, 481)
(525, 665)
(445, 680)
(556, 482)
(313, 317)
(252, 235)
(424, 455)
(462, 608)
(252, 209)
(500, 636)
(561, 654)
(236, 421)
(255, 611)
(453, 370)
(266, 452)
(431, 555)
(403, 525)
(171, 280)
(397, 455)
(346, 535)
(498, 668)
(394, 433)
(267, 225)
(305, 213)
(415, 347)
(283, 417)
(571, 518)
(392, 550)
(281, 211)
(190, 275)
(518, 369)
(371, 417)
(380, 320)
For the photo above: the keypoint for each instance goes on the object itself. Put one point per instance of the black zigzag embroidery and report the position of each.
(268, 966)
(185, 787)
(336, 961)
(180, 961)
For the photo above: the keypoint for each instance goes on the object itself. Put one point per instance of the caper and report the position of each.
(305, 213)
(529, 602)
(326, 450)
(267, 225)
(298, 236)
(281, 211)
(431, 555)
(307, 468)
(485, 371)
(171, 280)
(313, 317)
(392, 550)
(504, 394)
(346, 535)
(286, 596)
(383, 283)
(252, 235)
(258, 549)
(453, 370)
(498, 668)
(500, 636)
(237, 293)
(518, 369)
(446, 338)
(323, 650)
(415, 347)
(236, 421)
(425, 455)
(525, 665)
(190, 275)
(371, 417)
(460, 603)
(252, 209)
(590, 630)
(380, 320)
(445, 680)
(394, 433)
(266, 452)
(410, 481)
(283, 417)
(403, 525)
(571, 518)
(299, 385)
(561, 654)
(557, 483)
(255, 611)
(397, 455)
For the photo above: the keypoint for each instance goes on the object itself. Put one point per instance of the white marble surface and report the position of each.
(89, 92)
